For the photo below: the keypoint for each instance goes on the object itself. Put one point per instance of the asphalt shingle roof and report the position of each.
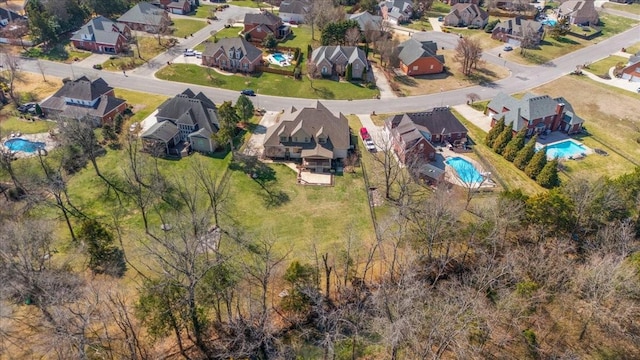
(530, 107)
(412, 50)
(189, 108)
(331, 53)
(164, 130)
(250, 51)
(295, 7)
(83, 89)
(265, 17)
(143, 13)
(103, 30)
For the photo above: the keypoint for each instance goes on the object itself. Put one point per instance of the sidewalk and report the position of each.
(435, 24)
(634, 87)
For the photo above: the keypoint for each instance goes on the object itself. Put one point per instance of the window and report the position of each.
(322, 140)
(355, 66)
(324, 69)
(231, 54)
(415, 68)
(431, 67)
(283, 139)
(245, 66)
(295, 139)
(421, 146)
(306, 139)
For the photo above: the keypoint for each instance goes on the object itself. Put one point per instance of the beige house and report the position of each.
(466, 15)
(312, 134)
(333, 60)
(579, 12)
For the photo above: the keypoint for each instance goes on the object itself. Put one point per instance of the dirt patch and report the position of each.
(34, 84)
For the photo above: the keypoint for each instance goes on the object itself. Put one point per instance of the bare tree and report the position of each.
(352, 37)
(313, 72)
(216, 189)
(12, 73)
(473, 97)
(386, 159)
(468, 53)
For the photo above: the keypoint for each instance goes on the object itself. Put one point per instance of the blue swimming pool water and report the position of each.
(565, 149)
(549, 22)
(279, 57)
(23, 145)
(466, 171)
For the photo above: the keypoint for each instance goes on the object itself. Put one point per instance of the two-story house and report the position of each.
(412, 135)
(333, 60)
(84, 99)
(579, 12)
(294, 11)
(232, 54)
(396, 11)
(538, 113)
(312, 134)
(258, 26)
(463, 14)
(187, 117)
(102, 35)
(513, 31)
(179, 7)
(146, 17)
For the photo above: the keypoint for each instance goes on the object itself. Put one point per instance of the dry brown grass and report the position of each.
(452, 79)
(33, 83)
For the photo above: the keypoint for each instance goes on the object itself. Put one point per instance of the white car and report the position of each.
(198, 54)
(189, 52)
(368, 143)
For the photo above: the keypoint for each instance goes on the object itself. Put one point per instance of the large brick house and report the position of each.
(180, 7)
(396, 11)
(419, 57)
(146, 17)
(538, 113)
(312, 134)
(83, 98)
(294, 11)
(513, 31)
(579, 12)
(412, 135)
(102, 35)
(232, 54)
(258, 26)
(333, 60)
(466, 15)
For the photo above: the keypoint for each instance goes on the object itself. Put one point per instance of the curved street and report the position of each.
(522, 77)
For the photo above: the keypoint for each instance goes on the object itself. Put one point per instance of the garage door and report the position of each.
(513, 42)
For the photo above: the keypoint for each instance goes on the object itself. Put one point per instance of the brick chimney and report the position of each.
(556, 120)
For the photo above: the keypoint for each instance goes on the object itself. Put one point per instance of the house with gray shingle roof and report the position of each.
(187, 117)
(419, 57)
(294, 11)
(366, 21)
(146, 17)
(513, 31)
(538, 113)
(258, 26)
(83, 98)
(333, 60)
(396, 11)
(579, 12)
(232, 54)
(102, 35)
(466, 15)
(312, 134)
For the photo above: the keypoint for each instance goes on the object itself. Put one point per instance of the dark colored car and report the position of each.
(27, 108)
(248, 92)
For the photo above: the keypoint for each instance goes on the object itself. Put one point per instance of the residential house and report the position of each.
(412, 135)
(294, 11)
(513, 6)
(259, 26)
(232, 54)
(333, 60)
(420, 58)
(102, 35)
(538, 113)
(631, 72)
(312, 134)
(579, 12)
(463, 14)
(83, 98)
(8, 16)
(146, 17)
(180, 7)
(513, 31)
(366, 21)
(453, 2)
(396, 11)
(187, 117)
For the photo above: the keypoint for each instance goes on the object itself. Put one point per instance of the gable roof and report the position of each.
(83, 89)
(179, 4)
(191, 109)
(472, 9)
(518, 25)
(411, 127)
(364, 18)
(250, 51)
(143, 13)
(10, 15)
(577, 8)
(313, 121)
(295, 7)
(163, 130)
(263, 18)
(331, 53)
(412, 50)
(101, 30)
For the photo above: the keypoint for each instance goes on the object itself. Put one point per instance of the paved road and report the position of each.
(523, 77)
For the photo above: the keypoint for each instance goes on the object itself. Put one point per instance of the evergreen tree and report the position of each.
(270, 42)
(244, 108)
(548, 177)
(537, 163)
(515, 145)
(494, 132)
(349, 72)
(104, 256)
(525, 154)
(503, 139)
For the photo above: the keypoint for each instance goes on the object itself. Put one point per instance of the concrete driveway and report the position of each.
(94, 59)
(254, 146)
(476, 117)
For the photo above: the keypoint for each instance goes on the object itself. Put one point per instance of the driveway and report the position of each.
(435, 24)
(476, 117)
(94, 59)
(382, 83)
(254, 146)
(634, 87)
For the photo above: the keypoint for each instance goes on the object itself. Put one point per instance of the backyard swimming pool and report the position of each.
(23, 145)
(465, 170)
(278, 59)
(564, 149)
(549, 22)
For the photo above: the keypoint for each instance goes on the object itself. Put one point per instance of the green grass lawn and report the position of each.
(266, 83)
(249, 3)
(143, 103)
(630, 8)
(601, 68)
(301, 38)
(15, 124)
(204, 11)
(186, 27)
(149, 48)
(633, 49)
(420, 25)
(440, 7)
(551, 48)
(62, 52)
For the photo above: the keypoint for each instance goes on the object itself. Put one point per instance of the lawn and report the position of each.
(186, 27)
(62, 52)
(222, 34)
(14, 124)
(420, 25)
(551, 48)
(486, 42)
(630, 8)
(143, 103)
(601, 68)
(450, 80)
(301, 37)
(249, 3)
(205, 11)
(615, 129)
(634, 48)
(149, 48)
(267, 83)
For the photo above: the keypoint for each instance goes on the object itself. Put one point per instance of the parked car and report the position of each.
(248, 92)
(368, 143)
(508, 48)
(198, 54)
(364, 133)
(441, 18)
(27, 108)
(189, 52)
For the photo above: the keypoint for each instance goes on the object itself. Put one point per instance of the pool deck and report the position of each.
(49, 143)
(451, 176)
(587, 150)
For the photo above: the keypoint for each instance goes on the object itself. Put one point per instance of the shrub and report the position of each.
(537, 163)
(548, 177)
